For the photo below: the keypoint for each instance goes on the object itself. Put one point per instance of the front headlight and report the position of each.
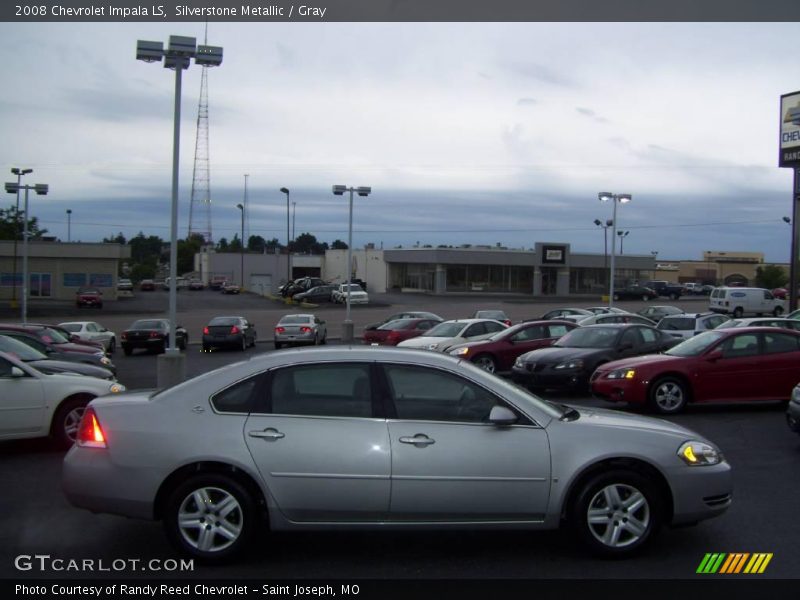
(460, 352)
(519, 363)
(105, 360)
(570, 364)
(698, 454)
(116, 388)
(621, 374)
(796, 394)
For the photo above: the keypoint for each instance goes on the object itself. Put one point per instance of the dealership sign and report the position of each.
(790, 130)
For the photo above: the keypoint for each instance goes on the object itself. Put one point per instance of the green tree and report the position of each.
(146, 249)
(236, 244)
(186, 250)
(272, 244)
(338, 245)
(12, 224)
(256, 243)
(771, 276)
(115, 239)
(222, 245)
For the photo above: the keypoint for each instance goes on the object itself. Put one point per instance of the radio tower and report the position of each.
(200, 207)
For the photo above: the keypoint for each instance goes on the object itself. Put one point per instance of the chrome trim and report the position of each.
(464, 478)
(328, 475)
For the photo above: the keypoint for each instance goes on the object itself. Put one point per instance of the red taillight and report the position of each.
(90, 434)
(205, 330)
(507, 322)
(235, 329)
(279, 330)
(393, 337)
(305, 329)
(124, 336)
(154, 334)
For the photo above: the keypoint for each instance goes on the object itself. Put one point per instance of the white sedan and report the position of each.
(451, 333)
(39, 405)
(92, 331)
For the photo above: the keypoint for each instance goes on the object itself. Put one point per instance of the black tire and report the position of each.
(244, 343)
(112, 345)
(206, 348)
(231, 528)
(778, 311)
(316, 339)
(668, 395)
(674, 296)
(738, 312)
(630, 524)
(278, 345)
(182, 345)
(65, 423)
(127, 351)
(324, 338)
(485, 362)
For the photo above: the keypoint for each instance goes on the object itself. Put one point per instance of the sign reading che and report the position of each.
(790, 131)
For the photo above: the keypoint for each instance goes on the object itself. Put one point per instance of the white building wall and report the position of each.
(368, 265)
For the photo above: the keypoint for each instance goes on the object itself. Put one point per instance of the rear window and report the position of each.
(676, 324)
(718, 293)
(72, 327)
(224, 321)
(295, 320)
(147, 325)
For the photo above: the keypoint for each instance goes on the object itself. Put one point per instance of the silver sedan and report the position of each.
(300, 329)
(374, 437)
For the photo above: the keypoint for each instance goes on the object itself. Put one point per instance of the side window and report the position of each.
(91, 327)
(5, 368)
(742, 345)
(328, 390)
(649, 336)
(424, 325)
(632, 337)
(767, 295)
(775, 343)
(476, 329)
(492, 327)
(556, 331)
(236, 398)
(33, 343)
(529, 333)
(422, 394)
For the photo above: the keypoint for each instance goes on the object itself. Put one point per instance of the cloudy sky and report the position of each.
(468, 133)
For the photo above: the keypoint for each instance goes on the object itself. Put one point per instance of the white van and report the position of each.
(740, 301)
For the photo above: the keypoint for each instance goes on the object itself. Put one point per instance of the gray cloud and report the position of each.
(541, 73)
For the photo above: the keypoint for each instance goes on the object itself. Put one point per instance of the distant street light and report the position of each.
(19, 173)
(177, 56)
(294, 215)
(69, 224)
(616, 199)
(654, 253)
(288, 238)
(605, 227)
(622, 235)
(41, 189)
(339, 190)
(240, 206)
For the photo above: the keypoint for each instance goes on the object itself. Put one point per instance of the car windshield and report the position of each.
(225, 321)
(491, 314)
(595, 337)
(354, 287)
(146, 324)
(451, 329)
(696, 345)
(295, 320)
(89, 291)
(73, 327)
(54, 336)
(397, 324)
(19, 349)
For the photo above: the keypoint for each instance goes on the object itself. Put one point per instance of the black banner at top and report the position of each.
(402, 10)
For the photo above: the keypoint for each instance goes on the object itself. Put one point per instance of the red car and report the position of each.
(394, 332)
(499, 352)
(722, 365)
(91, 297)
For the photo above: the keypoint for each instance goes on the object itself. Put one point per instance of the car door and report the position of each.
(524, 340)
(319, 447)
(733, 374)
(778, 365)
(448, 463)
(22, 403)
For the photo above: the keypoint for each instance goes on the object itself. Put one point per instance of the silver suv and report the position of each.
(690, 324)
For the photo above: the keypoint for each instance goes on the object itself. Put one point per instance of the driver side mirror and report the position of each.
(714, 355)
(502, 416)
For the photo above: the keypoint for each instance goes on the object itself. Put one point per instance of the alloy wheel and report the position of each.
(618, 515)
(210, 519)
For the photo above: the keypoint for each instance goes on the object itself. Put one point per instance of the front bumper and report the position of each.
(550, 378)
(793, 416)
(700, 493)
(223, 340)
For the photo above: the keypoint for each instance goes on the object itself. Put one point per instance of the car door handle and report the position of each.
(419, 440)
(267, 434)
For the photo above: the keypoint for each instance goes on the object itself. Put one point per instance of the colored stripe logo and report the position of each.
(734, 563)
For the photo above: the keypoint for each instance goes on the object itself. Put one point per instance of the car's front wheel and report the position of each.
(67, 420)
(112, 345)
(615, 513)
(669, 395)
(485, 362)
(210, 517)
(778, 311)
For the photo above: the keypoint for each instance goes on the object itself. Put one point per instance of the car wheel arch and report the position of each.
(636, 465)
(248, 480)
(57, 413)
(674, 375)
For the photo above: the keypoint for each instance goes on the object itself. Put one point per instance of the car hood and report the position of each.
(83, 348)
(441, 342)
(555, 354)
(63, 366)
(605, 417)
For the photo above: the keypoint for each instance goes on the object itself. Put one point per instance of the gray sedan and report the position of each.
(300, 329)
(374, 437)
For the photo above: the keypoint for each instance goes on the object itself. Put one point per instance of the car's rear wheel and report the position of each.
(244, 343)
(210, 517)
(277, 345)
(738, 312)
(616, 513)
(778, 311)
(669, 395)
(67, 420)
(127, 351)
(112, 345)
(485, 362)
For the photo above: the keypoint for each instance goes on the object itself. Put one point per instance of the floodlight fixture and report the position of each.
(17, 171)
(208, 56)
(149, 51)
(363, 190)
(339, 190)
(41, 189)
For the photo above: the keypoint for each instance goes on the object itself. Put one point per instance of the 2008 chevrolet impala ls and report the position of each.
(370, 436)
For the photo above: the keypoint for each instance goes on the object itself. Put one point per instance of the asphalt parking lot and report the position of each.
(764, 453)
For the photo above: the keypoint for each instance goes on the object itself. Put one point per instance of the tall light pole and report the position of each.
(41, 189)
(622, 235)
(69, 224)
(621, 199)
(241, 245)
(19, 173)
(605, 227)
(294, 216)
(339, 190)
(654, 254)
(177, 56)
(288, 238)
